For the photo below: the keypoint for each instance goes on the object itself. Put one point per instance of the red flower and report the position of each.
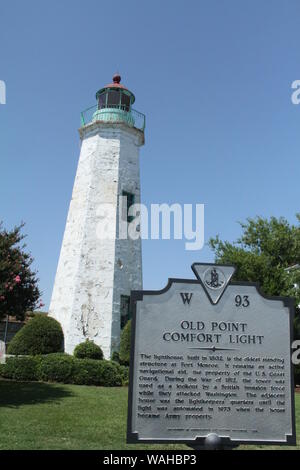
(17, 279)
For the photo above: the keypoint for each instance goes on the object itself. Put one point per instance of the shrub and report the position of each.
(63, 368)
(125, 375)
(85, 372)
(21, 368)
(88, 350)
(125, 344)
(297, 374)
(91, 372)
(56, 367)
(115, 357)
(41, 335)
(111, 374)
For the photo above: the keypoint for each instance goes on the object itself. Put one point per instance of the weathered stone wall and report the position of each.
(92, 273)
(128, 252)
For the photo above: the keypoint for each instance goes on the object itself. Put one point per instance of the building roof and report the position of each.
(116, 84)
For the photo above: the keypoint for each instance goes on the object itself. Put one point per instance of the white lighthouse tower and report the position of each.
(97, 269)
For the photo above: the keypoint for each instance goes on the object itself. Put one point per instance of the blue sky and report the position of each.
(214, 80)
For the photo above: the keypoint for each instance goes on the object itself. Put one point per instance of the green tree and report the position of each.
(125, 342)
(19, 292)
(266, 248)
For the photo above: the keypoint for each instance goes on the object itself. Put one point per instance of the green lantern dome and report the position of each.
(114, 103)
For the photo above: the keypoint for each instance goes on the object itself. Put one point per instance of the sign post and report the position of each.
(2, 352)
(211, 363)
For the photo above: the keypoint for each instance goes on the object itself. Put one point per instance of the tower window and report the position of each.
(124, 310)
(102, 101)
(113, 98)
(125, 102)
(130, 201)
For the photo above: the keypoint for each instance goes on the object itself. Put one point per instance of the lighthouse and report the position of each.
(97, 267)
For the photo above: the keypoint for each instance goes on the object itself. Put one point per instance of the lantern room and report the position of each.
(115, 95)
(114, 103)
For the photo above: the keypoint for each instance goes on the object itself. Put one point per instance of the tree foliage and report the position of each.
(266, 248)
(125, 342)
(18, 283)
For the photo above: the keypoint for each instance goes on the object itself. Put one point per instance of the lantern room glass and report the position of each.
(112, 98)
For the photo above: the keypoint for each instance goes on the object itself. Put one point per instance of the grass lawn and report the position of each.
(54, 416)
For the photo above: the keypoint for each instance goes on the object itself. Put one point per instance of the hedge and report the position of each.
(62, 368)
(88, 350)
(111, 374)
(20, 368)
(91, 372)
(41, 335)
(56, 367)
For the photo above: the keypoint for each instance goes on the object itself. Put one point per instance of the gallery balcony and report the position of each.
(115, 114)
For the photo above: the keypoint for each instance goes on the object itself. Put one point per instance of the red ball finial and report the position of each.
(117, 78)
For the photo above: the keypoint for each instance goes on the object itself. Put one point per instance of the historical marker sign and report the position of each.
(211, 357)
